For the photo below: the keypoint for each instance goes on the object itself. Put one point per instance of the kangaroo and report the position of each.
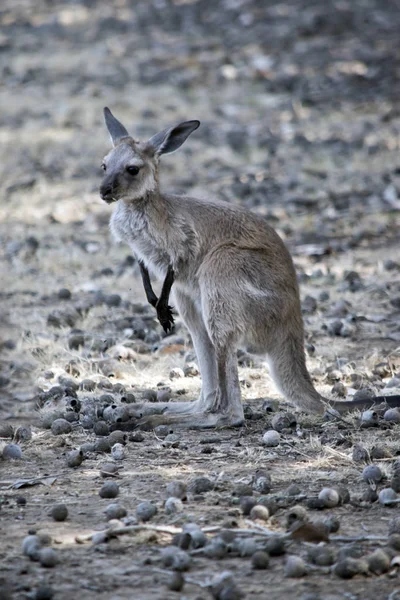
(231, 276)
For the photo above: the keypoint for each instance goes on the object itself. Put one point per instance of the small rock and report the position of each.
(31, 545)
(109, 469)
(173, 506)
(176, 582)
(296, 513)
(223, 587)
(262, 482)
(117, 437)
(44, 592)
(394, 541)
(283, 420)
(372, 473)
(112, 300)
(295, 567)
(12, 452)
(177, 489)
(48, 557)
(247, 546)
(118, 452)
(200, 485)
(246, 504)
(146, 511)
(329, 497)
(360, 454)
(387, 496)
(23, 434)
(378, 562)
(190, 370)
(6, 430)
(380, 452)
(74, 458)
(137, 437)
(332, 524)
(64, 294)
(369, 495)
(162, 431)
(110, 489)
(369, 418)
(271, 438)
(392, 415)
(175, 558)
(259, 512)
(339, 389)
(115, 511)
(61, 426)
(394, 525)
(176, 373)
(293, 490)
(323, 556)
(347, 568)
(102, 445)
(101, 429)
(275, 545)
(260, 560)
(59, 512)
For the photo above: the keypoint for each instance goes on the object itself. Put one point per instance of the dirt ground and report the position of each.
(299, 108)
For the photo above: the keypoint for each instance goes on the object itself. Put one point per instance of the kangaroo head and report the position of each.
(131, 167)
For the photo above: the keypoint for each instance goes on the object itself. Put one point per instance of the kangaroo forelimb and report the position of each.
(164, 311)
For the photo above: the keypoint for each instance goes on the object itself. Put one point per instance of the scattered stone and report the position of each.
(6, 430)
(369, 418)
(348, 567)
(146, 511)
(175, 558)
(176, 581)
(378, 562)
(372, 473)
(137, 437)
(259, 512)
(293, 490)
(247, 546)
(117, 437)
(369, 495)
(176, 373)
(394, 541)
(296, 513)
(74, 458)
(48, 557)
(102, 445)
(200, 485)
(283, 420)
(23, 434)
(260, 560)
(392, 415)
(12, 452)
(59, 512)
(162, 431)
(44, 592)
(223, 587)
(110, 489)
(60, 427)
(323, 556)
(380, 452)
(262, 482)
(115, 511)
(64, 294)
(31, 545)
(387, 497)
(87, 385)
(109, 469)
(394, 525)
(271, 438)
(339, 389)
(247, 503)
(275, 545)
(360, 454)
(101, 428)
(190, 370)
(329, 497)
(118, 452)
(295, 567)
(177, 489)
(173, 506)
(332, 524)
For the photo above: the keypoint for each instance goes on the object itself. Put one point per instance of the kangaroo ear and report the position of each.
(171, 139)
(116, 130)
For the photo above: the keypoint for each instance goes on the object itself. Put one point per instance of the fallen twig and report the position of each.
(115, 532)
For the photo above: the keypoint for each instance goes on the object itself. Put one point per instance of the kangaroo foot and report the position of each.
(193, 420)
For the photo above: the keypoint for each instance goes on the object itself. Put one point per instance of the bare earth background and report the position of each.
(299, 104)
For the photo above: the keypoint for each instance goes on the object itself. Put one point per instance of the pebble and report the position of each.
(12, 452)
(59, 512)
(380, 452)
(31, 545)
(332, 524)
(378, 562)
(118, 452)
(247, 503)
(223, 587)
(295, 567)
(74, 458)
(372, 473)
(6, 430)
(175, 558)
(394, 525)
(110, 489)
(64, 294)
(394, 541)
(48, 557)
(117, 437)
(247, 546)
(395, 481)
(323, 556)
(175, 582)
(23, 434)
(101, 429)
(137, 437)
(329, 497)
(387, 497)
(87, 385)
(60, 426)
(146, 511)
(200, 485)
(108, 469)
(360, 454)
(102, 445)
(262, 482)
(348, 567)
(259, 512)
(369, 418)
(191, 370)
(283, 420)
(271, 438)
(176, 373)
(392, 415)
(162, 431)
(177, 489)
(44, 592)
(339, 389)
(115, 511)
(260, 560)
(173, 506)
(275, 545)
(296, 513)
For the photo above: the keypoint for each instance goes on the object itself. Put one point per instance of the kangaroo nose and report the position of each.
(105, 192)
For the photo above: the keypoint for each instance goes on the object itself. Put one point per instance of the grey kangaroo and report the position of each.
(233, 281)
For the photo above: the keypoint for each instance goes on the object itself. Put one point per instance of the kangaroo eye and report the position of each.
(103, 166)
(133, 170)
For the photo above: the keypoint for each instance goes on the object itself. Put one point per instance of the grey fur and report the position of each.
(234, 280)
